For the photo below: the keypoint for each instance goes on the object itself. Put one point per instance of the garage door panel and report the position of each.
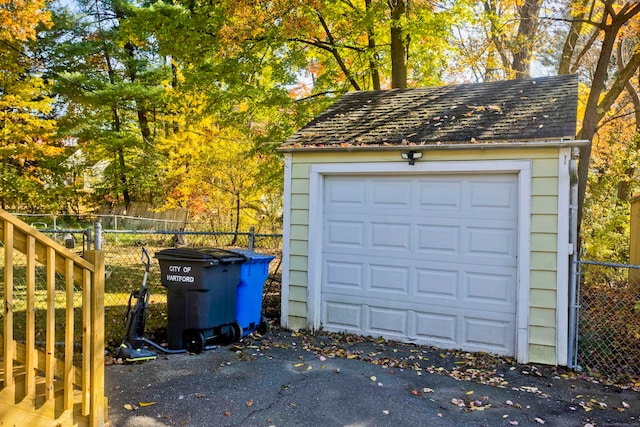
(389, 278)
(482, 288)
(438, 239)
(492, 243)
(347, 192)
(386, 194)
(437, 283)
(437, 329)
(345, 275)
(392, 236)
(439, 194)
(341, 233)
(497, 335)
(342, 316)
(428, 259)
(386, 321)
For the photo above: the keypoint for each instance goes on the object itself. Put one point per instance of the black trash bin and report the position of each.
(201, 295)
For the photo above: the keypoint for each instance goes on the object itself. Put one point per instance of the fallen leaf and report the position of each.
(297, 365)
(470, 392)
(227, 413)
(143, 404)
(458, 402)
(249, 403)
(415, 392)
(373, 378)
(130, 407)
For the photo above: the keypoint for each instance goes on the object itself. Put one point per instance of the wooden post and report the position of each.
(69, 371)
(31, 356)
(97, 412)
(86, 342)
(634, 241)
(8, 344)
(50, 344)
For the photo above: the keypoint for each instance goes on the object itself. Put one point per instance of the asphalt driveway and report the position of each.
(290, 379)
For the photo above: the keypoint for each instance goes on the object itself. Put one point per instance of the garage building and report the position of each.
(437, 216)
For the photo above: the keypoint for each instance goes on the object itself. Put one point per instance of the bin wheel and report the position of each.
(194, 341)
(235, 332)
(264, 325)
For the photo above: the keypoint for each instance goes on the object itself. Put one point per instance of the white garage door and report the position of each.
(429, 259)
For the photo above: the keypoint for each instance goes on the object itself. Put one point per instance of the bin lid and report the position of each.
(200, 255)
(253, 256)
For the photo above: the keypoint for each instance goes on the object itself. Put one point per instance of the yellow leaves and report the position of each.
(19, 18)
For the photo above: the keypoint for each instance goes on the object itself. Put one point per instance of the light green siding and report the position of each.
(544, 205)
(543, 298)
(542, 353)
(543, 237)
(542, 335)
(543, 317)
(541, 242)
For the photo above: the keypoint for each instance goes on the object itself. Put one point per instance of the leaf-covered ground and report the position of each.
(299, 378)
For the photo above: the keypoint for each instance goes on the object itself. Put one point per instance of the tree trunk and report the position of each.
(373, 58)
(572, 38)
(594, 111)
(174, 84)
(399, 44)
(123, 178)
(523, 49)
(132, 73)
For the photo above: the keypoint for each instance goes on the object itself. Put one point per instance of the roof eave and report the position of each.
(559, 143)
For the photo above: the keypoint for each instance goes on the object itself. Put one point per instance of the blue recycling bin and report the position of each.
(253, 274)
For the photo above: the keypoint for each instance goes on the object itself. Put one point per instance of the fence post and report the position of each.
(252, 238)
(97, 244)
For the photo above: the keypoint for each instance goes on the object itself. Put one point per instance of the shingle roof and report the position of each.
(506, 111)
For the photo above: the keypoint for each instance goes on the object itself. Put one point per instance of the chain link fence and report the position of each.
(124, 271)
(609, 320)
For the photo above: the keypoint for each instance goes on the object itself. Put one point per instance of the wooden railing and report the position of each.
(38, 387)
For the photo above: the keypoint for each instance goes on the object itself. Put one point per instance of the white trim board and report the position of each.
(521, 167)
(286, 244)
(562, 264)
